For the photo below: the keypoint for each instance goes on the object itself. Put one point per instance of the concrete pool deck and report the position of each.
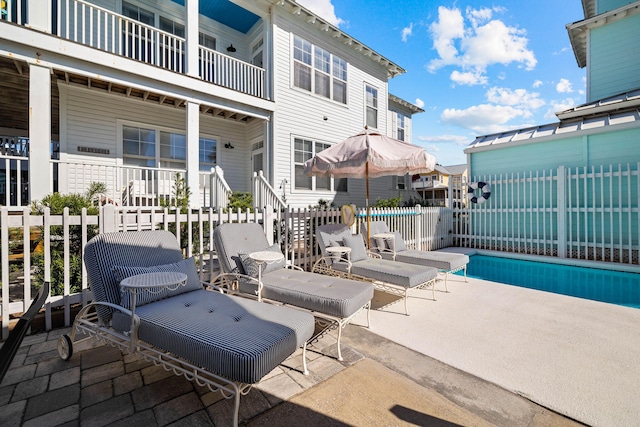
(577, 357)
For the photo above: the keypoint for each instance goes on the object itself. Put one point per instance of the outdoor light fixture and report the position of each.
(229, 146)
(231, 48)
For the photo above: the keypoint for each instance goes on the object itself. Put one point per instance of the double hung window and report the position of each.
(305, 149)
(371, 106)
(318, 71)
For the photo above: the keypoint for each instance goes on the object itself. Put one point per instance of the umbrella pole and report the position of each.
(367, 204)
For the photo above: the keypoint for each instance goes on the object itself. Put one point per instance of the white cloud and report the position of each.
(559, 105)
(419, 103)
(324, 9)
(537, 84)
(520, 98)
(406, 32)
(564, 86)
(460, 140)
(475, 47)
(470, 78)
(483, 118)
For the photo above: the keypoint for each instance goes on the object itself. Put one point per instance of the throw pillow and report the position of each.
(186, 266)
(251, 266)
(358, 251)
(399, 242)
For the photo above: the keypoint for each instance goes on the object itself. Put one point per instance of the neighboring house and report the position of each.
(605, 130)
(442, 186)
(570, 188)
(136, 93)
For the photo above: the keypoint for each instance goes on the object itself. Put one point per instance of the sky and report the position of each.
(476, 67)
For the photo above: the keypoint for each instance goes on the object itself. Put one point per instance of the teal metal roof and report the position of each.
(228, 13)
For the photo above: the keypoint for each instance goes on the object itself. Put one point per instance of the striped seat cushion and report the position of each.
(444, 261)
(324, 294)
(397, 273)
(237, 338)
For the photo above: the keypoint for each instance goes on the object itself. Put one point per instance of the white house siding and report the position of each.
(614, 58)
(91, 118)
(301, 114)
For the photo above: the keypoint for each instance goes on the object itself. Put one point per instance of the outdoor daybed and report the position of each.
(332, 300)
(393, 277)
(394, 248)
(224, 342)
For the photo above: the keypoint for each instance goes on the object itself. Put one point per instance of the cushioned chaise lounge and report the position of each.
(389, 276)
(225, 342)
(396, 249)
(332, 300)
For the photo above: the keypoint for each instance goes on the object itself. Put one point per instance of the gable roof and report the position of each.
(621, 111)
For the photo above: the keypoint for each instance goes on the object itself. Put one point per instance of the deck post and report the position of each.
(39, 132)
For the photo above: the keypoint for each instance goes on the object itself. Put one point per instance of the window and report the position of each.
(305, 149)
(400, 126)
(400, 182)
(317, 70)
(371, 103)
(139, 146)
(207, 153)
(207, 41)
(171, 27)
(149, 147)
(137, 13)
(137, 43)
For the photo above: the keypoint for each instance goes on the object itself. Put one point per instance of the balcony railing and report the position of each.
(94, 26)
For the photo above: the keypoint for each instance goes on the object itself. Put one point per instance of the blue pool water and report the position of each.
(614, 287)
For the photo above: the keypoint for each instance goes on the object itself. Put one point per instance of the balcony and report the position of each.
(85, 23)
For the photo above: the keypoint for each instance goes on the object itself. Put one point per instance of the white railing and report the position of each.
(91, 25)
(586, 213)
(214, 191)
(223, 70)
(14, 170)
(53, 249)
(264, 194)
(126, 185)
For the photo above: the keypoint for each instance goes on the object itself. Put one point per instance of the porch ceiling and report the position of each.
(147, 96)
(14, 102)
(229, 14)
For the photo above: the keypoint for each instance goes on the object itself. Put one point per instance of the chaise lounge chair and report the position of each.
(396, 249)
(332, 300)
(224, 342)
(388, 276)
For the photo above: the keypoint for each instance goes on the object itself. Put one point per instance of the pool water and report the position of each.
(615, 287)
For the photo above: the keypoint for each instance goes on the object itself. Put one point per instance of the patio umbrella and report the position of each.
(370, 154)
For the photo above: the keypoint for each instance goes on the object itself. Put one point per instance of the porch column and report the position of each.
(192, 37)
(193, 145)
(40, 183)
(39, 15)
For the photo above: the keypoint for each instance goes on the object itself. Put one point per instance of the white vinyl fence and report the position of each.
(44, 247)
(579, 213)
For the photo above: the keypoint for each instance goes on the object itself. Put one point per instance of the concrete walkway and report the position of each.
(574, 356)
(483, 354)
(379, 383)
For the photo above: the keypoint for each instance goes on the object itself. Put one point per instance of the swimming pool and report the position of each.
(615, 287)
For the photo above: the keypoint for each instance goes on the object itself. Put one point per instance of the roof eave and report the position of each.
(393, 69)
